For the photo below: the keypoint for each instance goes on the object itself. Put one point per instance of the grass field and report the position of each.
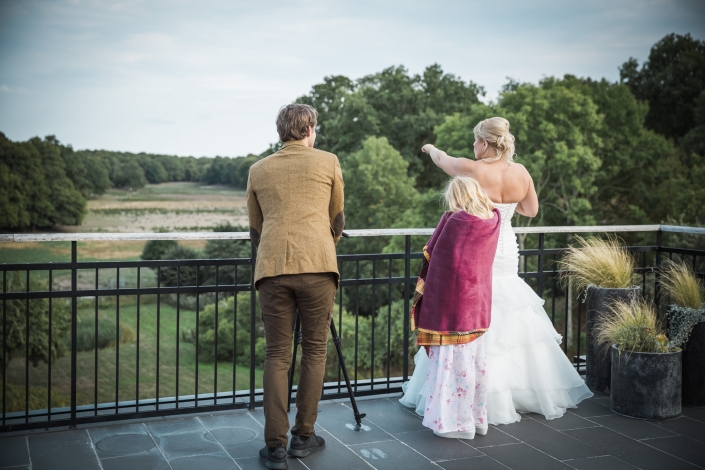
(168, 206)
(120, 363)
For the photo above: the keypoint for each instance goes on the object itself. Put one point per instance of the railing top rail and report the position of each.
(58, 237)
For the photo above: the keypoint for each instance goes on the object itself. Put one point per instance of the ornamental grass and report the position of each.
(682, 285)
(597, 262)
(632, 326)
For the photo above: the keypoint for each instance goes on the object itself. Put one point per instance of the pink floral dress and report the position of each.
(457, 387)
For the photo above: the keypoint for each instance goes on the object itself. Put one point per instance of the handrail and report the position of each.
(61, 237)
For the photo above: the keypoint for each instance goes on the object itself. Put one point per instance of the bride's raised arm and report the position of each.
(451, 165)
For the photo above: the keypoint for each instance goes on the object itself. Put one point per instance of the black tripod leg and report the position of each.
(337, 342)
(297, 342)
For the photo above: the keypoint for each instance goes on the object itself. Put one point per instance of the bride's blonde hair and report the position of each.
(465, 194)
(495, 131)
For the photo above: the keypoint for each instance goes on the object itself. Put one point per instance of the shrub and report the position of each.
(85, 335)
(683, 287)
(38, 398)
(598, 262)
(14, 338)
(156, 249)
(632, 326)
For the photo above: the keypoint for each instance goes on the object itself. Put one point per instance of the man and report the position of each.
(295, 206)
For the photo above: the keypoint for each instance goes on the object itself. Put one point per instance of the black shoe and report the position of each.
(275, 457)
(302, 446)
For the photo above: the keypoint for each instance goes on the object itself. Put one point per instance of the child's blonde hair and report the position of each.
(465, 194)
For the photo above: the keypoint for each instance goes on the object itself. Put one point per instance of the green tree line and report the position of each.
(44, 183)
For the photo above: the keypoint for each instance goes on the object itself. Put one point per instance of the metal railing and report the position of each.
(372, 318)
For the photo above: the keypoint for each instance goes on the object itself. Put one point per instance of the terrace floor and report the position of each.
(586, 438)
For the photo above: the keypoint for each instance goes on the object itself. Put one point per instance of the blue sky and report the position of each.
(207, 78)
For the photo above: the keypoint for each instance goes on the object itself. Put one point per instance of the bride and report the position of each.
(527, 369)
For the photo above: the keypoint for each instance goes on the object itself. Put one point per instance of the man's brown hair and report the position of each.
(294, 120)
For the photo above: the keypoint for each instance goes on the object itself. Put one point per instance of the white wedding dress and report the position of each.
(526, 367)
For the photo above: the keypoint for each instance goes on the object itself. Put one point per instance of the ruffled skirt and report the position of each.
(527, 369)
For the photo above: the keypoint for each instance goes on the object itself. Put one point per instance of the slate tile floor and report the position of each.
(588, 438)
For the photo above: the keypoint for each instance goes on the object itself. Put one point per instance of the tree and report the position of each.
(403, 108)
(24, 194)
(129, 175)
(631, 155)
(377, 187)
(154, 171)
(228, 249)
(36, 191)
(39, 348)
(670, 81)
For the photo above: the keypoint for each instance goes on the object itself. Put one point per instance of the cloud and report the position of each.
(207, 78)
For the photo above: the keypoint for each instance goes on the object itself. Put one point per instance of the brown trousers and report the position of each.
(280, 296)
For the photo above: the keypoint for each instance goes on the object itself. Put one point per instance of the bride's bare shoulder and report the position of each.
(520, 169)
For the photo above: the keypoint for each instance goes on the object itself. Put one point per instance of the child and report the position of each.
(451, 310)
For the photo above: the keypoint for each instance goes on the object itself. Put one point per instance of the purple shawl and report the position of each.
(454, 291)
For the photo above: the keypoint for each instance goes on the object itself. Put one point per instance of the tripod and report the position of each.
(341, 360)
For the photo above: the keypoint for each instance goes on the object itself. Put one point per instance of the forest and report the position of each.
(600, 152)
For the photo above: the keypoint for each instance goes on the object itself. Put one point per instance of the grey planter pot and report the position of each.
(694, 367)
(597, 359)
(646, 385)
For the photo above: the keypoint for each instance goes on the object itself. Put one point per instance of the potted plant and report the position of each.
(603, 269)
(686, 327)
(646, 368)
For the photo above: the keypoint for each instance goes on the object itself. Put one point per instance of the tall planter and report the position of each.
(694, 367)
(646, 385)
(597, 360)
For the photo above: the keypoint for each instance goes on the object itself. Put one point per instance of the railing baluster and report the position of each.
(374, 311)
(137, 349)
(565, 335)
(657, 276)
(74, 329)
(215, 354)
(95, 350)
(340, 317)
(407, 324)
(159, 303)
(178, 329)
(253, 312)
(357, 313)
(540, 266)
(49, 358)
(580, 310)
(235, 339)
(389, 325)
(195, 403)
(4, 347)
(26, 355)
(553, 294)
(117, 344)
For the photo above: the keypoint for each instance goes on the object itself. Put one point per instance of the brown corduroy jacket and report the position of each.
(295, 207)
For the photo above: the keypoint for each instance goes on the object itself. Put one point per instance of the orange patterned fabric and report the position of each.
(432, 338)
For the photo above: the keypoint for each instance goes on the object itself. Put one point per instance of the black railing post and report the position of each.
(657, 270)
(74, 330)
(407, 274)
(253, 312)
(540, 267)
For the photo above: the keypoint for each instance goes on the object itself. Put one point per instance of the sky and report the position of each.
(206, 78)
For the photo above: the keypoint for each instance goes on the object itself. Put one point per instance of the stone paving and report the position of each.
(590, 437)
